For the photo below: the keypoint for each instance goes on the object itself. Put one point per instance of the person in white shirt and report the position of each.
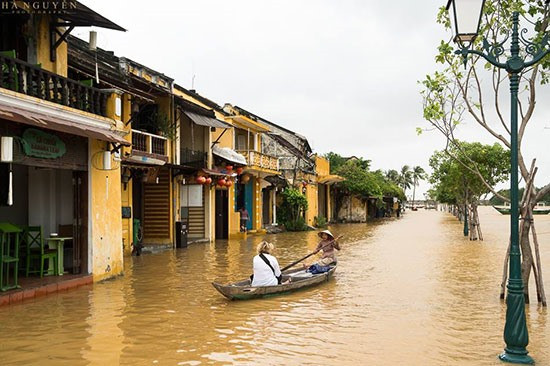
(266, 274)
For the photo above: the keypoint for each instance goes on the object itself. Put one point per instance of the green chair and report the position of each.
(36, 250)
(9, 255)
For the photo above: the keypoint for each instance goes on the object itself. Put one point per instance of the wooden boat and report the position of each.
(300, 279)
(505, 210)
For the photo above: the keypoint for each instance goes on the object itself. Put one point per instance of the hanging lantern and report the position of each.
(239, 170)
(221, 182)
(200, 180)
(245, 178)
(229, 168)
(208, 181)
(228, 183)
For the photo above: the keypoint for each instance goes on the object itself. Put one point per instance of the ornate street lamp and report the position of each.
(467, 17)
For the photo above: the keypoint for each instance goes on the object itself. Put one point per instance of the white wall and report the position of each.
(50, 198)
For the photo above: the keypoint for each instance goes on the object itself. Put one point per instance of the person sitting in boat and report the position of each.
(266, 267)
(328, 245)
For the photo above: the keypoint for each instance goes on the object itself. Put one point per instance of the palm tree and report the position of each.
(405, 178)
(417, 174)
(393, 176)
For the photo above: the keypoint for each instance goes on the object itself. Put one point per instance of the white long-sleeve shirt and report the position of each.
(263, 275)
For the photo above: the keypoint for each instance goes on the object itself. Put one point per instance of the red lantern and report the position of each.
(200, 179)
(229, 167)
(221, 182)
(208, 180)
(239, 170)
(228, 183)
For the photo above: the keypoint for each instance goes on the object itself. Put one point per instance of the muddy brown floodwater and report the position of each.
(411, 291)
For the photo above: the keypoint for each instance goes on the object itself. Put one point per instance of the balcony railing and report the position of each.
(22, 77)
(257, 159)
(193, 158)
(149, 143)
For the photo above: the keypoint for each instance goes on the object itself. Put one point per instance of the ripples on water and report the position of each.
(412, 291)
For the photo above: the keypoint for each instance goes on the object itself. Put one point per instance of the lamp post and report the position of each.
(466, 15)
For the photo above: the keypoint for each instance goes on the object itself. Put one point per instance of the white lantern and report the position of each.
(466, 15)
(6, 150)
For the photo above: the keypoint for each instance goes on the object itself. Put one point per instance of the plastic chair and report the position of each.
(32, 235)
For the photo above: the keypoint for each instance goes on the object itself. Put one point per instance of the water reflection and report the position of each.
(410, 291)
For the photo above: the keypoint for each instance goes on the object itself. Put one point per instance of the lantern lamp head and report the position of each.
(466, 18)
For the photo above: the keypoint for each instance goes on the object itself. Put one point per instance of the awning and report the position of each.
(276, 180)
(216, 173)
(330, 179)
(207, 121)
(229, 155)
(46, 121)
(83, 16)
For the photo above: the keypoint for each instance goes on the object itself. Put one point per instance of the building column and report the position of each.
(274, 199)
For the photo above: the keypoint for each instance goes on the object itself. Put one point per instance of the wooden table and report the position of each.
(56, 242)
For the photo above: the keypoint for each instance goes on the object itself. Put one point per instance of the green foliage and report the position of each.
(320, 222)
(454, 176)
(337, 161)
(164, 125)
(293, 207)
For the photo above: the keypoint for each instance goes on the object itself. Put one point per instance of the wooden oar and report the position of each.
(309, 255)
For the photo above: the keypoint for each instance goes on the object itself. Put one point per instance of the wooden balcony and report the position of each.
(22, 77)
(256, 159)
(147, 144)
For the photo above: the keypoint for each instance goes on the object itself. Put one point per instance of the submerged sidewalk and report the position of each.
(33, 287)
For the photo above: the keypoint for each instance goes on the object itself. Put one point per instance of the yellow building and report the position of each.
(60, 138)
(251, 190)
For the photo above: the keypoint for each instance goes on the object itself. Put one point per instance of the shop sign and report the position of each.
(42, 145)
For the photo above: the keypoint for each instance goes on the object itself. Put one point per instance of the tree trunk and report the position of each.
(540, 289)
(526, 253)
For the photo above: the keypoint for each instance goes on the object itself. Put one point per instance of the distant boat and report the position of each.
(505, 210)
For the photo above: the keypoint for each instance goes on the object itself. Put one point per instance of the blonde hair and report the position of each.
(265, 247)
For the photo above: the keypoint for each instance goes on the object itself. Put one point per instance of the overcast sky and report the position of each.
(342, 73)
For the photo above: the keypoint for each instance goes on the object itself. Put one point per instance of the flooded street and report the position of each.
(411, 291)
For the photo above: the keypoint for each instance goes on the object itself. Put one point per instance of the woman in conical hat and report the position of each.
(320, 233)
(328, 245)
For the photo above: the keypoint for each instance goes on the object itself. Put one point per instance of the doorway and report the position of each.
(222, 213)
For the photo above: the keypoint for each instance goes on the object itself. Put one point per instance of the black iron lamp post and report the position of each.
(466, 15)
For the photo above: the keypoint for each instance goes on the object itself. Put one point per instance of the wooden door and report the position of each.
(222, 214)
(80, 222)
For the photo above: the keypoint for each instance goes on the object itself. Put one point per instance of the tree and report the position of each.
(405, 178)
(393, 176)
(454, 92)
(417, 174)
(455, 184)
(292, 210)
(362, 182)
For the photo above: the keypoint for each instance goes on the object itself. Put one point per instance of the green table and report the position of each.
(57, 243)
(9, 255)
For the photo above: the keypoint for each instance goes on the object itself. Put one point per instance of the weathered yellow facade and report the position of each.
(103, 239)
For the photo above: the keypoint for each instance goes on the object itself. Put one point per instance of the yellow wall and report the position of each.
(126, 193)
(322, 166)
(105, 222)
(43, 48)
(312, 202)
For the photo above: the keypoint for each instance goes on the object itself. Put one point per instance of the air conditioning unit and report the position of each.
(6, 149)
